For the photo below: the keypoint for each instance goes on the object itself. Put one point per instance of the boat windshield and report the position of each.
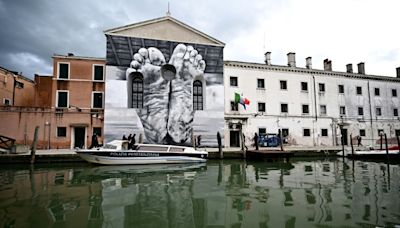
(110, 146)
(152, 148)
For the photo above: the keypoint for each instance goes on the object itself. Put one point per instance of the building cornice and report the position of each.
(78, 57)
(278, 68)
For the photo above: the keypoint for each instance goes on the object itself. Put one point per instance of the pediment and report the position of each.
(165, 28)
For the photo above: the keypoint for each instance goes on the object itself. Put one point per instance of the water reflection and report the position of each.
(218, 194)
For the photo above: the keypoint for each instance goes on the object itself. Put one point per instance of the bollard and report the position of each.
(351, 143)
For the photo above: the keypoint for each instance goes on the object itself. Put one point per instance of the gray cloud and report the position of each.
(32, 31)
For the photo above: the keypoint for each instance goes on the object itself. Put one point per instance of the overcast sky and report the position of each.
(345, 31)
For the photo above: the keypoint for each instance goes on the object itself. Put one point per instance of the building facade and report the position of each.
(68, 106)
(15, 89)
(309, 107)
(164, 83)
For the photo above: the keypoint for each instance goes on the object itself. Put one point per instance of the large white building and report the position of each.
(311, 107)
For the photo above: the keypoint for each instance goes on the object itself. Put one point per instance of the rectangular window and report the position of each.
(378, 111)
(63, 70)
(285, 132)
(380, 131)
(6, 102)
(19, 85)
(97, 131)
(234, 81)
(284, 108)
(359, 90)
(324, 132)
(395, 112)
(62, 99)
(306, 132)
(262, 131)
(321, 87)
(342, 110)
(261, 106)
(341, 89)
(61, 132)
(305, 109)
(97, 101)
(394, 92)
(322, 110)
(98, 71)
(234, 106)
(304, 86)
(362, 132)
(283, 85)
(397, 132)
(260, 83)
(360, 111)
(377, 92)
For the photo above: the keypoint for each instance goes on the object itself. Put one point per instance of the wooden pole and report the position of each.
(34, 144)
(341, 133)
(387, 149)
(280, 138)
(381, 141)
(351, 143)
(221, 153)
(242, 142)
(398, 142)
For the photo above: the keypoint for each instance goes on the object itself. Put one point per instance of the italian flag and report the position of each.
(243, 101)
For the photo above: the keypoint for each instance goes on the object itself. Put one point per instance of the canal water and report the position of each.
(228, 193)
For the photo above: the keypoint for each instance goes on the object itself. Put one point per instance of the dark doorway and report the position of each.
(234, 139)
(79, 137)
(344, 135)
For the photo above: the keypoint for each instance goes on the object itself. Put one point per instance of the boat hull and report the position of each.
(139, 158)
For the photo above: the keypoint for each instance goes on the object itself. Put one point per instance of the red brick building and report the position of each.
(68, 106)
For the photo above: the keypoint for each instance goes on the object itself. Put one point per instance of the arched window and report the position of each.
(197, 95)
(137, 92)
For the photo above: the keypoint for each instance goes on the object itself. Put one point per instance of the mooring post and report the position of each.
(194, 141)
(243, 146)
(221, 153)
(34, 144)
(280, 138)
(351, 143)
(381, 141)
(342, 143)
(387, 149)
(398, 142)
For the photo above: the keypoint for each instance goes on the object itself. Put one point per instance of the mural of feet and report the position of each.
(167, 112)
(188, 64)
(154, 114)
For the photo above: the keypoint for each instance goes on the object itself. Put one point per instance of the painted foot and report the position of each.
(188, 64)
(153, 112)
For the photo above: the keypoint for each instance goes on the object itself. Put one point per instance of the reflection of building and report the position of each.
(309, 106)
(67, 106)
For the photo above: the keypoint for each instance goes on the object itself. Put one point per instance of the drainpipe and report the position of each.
(315, 99)
(370, 113)
(13, 98)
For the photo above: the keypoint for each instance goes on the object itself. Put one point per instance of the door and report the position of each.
(234, 139)
(344, 135)
(79, 137)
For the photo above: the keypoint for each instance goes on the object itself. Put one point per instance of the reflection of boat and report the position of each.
(117, 153)
(372, 153)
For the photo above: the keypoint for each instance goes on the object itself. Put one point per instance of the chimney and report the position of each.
(361, 68)
(291, 59)
(327, 65)
(349, 68)
(70, 54)
(398, 72)
(267, 56)
(308, 63)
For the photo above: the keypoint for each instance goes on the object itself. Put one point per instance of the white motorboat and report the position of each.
(372, 153)
(117, 153)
